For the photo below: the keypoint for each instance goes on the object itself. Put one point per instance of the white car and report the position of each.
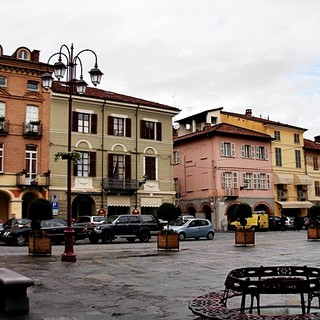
(194, 228)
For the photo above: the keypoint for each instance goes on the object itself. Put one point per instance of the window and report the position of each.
(296, 138)
(119, 166)
(31, 161)
(3, 81)
(261, 181)
(23, 55)
(317, 188)
(262, 153)
(247, 180)
(2, 109)
(315, 163)
(298, 158)
(119, 126)
(229, 180)
(33, 85)
(227, 149)
(84, 122)
(1, 157)
(32, 114)
(86, 166)
(176, 157)
(247, 151)
(277, 136)
(151, 130)
(150, 168)
(278, 157)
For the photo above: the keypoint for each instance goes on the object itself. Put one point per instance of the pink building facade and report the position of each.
(220, 166)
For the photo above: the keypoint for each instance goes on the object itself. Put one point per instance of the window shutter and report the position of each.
(252, 152)
(235, 179)
(255, 181)
(94, 123)
(110, 165)
(222, 149)
(75, 169)
(142, 129)
(266, 149)
(243, 151)
(233, 150)
(75, 116)
(128, 127)
(93, 161)
(223, 176)
(159, 131)
(110, 126)
(268, 181)
(127, 166)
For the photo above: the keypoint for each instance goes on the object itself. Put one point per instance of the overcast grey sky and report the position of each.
(194, 55)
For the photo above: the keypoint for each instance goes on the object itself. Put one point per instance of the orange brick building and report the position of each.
(24, 132)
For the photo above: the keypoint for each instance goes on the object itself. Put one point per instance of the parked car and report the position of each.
(194, 228)
(8, 223)
(89, 221)
(274, 223)
(128, 226)
(20, 235)
(258, 221)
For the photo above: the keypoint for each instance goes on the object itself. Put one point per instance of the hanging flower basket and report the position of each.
(74, 156)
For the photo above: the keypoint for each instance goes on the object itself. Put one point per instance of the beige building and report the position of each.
(125, 146)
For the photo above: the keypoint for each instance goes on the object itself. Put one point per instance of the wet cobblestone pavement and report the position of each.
(123, 281)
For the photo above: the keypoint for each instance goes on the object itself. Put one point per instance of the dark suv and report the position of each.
(126, 226)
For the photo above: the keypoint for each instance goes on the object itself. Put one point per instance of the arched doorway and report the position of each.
(4, 208)
(83, 205)
(26, 199)
(191, 210)
(208, 212)
(230, 213)
(262, 207)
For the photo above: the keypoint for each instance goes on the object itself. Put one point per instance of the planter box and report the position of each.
(313, 233)
(40, 245)
(244, 237)
(168, 241)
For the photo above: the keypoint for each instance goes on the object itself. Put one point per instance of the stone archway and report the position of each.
(191, 210)
(230, 213)
(4, 208)
(83, 205)
(26, 199)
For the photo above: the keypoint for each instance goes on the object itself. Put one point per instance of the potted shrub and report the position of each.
(73, 155)
(313, 230)
(243, 235)
(39, 241)
(167, 239)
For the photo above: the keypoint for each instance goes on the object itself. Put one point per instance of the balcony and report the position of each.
(32, 129)
(40, 180)
(282, 195)
(231, 192)
(120, 185)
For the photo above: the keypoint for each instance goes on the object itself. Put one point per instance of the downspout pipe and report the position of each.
(137, 122)
(102, 210)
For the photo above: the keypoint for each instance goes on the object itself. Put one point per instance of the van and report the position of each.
(258, 221)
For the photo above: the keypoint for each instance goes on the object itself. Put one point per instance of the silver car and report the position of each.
(194, 228)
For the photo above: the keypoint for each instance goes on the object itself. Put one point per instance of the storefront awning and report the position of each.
(282, 178)
(302, 179)
(295, 204)
(151, 202)
(118, 201)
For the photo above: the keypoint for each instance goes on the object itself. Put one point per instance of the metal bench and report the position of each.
(13, 292)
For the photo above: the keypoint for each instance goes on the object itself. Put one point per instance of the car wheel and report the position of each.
(210, 235)
(144, 236)
(106, 237)
(21, 240)
(131, 239)
(182, 236)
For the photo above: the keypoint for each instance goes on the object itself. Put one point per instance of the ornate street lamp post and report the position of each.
(73, 85)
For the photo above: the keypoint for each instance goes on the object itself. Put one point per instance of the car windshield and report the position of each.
(111, 219)
(180, 222)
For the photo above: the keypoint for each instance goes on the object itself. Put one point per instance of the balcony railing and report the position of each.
(302, 195)
(231, 192)
(32, 129)
(39, 180)
(120, 185)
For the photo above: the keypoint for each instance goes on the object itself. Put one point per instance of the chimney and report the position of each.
(248, 112)
(317, 139)
(35, 55)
